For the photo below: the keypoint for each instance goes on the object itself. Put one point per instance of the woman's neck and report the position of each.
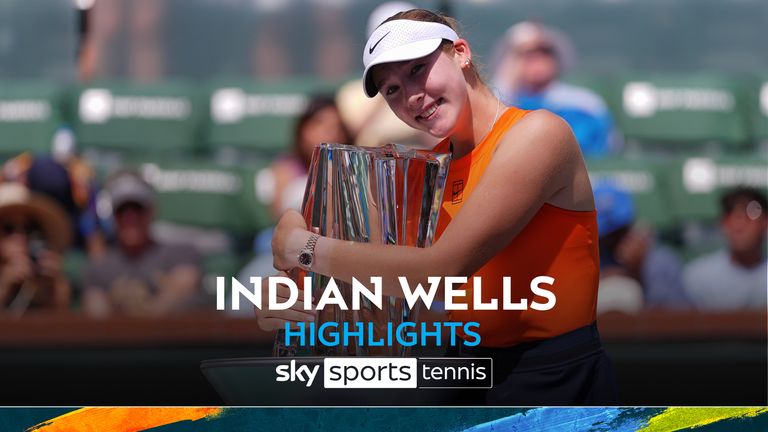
(479, 116)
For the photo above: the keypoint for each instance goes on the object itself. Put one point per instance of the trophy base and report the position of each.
(251, 381)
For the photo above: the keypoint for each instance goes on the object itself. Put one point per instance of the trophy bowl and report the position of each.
(384, 195)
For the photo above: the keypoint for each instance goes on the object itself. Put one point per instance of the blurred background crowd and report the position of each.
(148, 146)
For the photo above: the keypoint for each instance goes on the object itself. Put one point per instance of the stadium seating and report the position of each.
(140, 120)
(209, 196)
(759, 105)
(30, 112)
(696, 183)
(647, 181)
(678, 112)
(671, 117)
(258, 117)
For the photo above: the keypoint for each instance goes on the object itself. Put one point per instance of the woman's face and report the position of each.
(325, 126)
(428, 93)
(538, 64)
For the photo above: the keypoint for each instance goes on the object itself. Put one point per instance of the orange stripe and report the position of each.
(122, 419)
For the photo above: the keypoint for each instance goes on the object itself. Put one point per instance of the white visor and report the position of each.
(401, 40)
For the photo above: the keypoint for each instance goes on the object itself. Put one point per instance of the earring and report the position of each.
(467, 62)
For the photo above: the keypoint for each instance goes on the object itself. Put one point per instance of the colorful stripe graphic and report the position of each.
(673, 419)
(570, 419)
(615, 419)
(705, 419)
(122, 419)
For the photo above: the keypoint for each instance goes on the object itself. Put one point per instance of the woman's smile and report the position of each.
(429, 112)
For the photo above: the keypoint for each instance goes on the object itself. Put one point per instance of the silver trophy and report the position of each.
(385, 195)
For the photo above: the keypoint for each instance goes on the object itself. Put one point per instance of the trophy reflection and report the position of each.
(384, 195)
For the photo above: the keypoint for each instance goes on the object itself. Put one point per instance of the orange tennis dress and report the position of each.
(558, 243)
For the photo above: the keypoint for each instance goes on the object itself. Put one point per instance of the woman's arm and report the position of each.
(535, 162)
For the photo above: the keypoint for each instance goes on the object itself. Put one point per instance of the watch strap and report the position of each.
(309, 248)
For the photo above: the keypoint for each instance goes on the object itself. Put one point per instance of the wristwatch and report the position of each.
(307, 255)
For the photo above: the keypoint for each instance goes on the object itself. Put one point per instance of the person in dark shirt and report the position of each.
(140, 276)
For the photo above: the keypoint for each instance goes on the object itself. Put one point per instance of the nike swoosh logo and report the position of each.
(373, 47)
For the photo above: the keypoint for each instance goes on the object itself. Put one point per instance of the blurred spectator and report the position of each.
(527, 63)
(370, 120)
(334, 52)
(301, 39)
(34, 234)
(67, 178)
(124, 41)
(320, 122)
(628, 250)
(139, 276)
(270, 59)
(734, 278)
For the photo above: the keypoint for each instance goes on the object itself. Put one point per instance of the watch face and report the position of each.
(305, 259)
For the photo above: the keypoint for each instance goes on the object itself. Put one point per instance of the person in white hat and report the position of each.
(370, 120)
(527, 66)
(34, 231)
(518, 205)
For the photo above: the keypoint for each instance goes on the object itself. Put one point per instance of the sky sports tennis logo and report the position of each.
(389, 373)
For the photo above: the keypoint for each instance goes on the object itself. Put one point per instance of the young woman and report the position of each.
(519, 205)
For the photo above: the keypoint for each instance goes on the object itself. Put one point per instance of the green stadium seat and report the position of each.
(258, 117)
(698, 182)
(646, 180)
(760, 109)
(140, 120)
(677, 111)
(30, 112)
(209, 196)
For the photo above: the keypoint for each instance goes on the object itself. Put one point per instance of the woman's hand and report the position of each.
(275, 319)
(288, 240)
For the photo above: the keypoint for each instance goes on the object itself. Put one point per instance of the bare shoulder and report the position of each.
(546, 141)
(545, 118)
(540, 134)
(543, 126)
(542, 150)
